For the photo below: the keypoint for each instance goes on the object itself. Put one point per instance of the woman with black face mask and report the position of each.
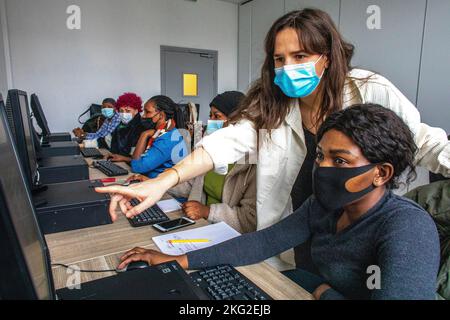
(367, 242)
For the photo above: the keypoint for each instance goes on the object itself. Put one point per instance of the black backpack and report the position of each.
(95, 120)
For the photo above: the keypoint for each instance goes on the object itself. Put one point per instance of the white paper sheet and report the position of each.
(169, 205)
(216, 233)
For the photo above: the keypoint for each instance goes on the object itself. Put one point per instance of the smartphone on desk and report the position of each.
(170, 225)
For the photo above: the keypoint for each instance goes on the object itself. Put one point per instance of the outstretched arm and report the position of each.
(216, 151)
(151, 191)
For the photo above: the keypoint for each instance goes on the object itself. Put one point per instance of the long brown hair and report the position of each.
(265, 104)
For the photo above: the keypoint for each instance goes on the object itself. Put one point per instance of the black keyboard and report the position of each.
(148, 217)
(109, 168)
(226, 283)
(91, 153)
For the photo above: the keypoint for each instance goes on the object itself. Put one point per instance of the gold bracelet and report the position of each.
(178, 175)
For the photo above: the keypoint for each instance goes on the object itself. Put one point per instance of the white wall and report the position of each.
(116, 50)
(3, 77)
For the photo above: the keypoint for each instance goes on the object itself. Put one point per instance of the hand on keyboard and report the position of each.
(148, 192)
(118, 158)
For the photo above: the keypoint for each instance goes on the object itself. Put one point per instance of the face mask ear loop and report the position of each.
(374, 166)
(323, 72)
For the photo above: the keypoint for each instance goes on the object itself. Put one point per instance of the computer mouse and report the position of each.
(137, 265)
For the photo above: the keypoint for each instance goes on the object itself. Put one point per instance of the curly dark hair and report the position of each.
(380, 133)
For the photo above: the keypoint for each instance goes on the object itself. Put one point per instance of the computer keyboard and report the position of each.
(109, 168)
(149, 217)
(91, 153)
(226, 283)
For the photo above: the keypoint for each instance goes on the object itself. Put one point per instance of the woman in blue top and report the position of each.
(162, 145)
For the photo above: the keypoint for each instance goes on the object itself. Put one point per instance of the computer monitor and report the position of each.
(39, 115)
(25, 270)
(19, 120)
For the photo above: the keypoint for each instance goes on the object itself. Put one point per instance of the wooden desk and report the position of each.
(101, 247)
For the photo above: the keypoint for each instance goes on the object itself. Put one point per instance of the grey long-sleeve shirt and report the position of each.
(396, 235)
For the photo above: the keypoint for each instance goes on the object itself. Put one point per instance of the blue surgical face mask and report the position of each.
(214, 125)
(126, 117)
(108, 112)
(298, 80)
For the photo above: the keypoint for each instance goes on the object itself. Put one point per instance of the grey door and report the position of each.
(189, 75)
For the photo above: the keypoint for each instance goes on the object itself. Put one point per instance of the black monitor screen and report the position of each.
(20, 124)
(26, 118)
(39, 115)
(17, 208)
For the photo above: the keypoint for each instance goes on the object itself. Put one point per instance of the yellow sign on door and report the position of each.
(190, 85)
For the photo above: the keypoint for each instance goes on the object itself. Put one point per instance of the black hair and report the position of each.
(381, 134)
(227, 102)
(109, 100)
(171, 109)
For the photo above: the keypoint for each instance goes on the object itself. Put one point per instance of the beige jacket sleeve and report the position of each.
(433, 144)
(241, 217)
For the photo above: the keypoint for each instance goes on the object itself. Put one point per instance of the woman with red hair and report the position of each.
(127, 134)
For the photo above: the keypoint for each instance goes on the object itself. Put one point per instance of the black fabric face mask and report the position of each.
(148, 124)
(329, 185)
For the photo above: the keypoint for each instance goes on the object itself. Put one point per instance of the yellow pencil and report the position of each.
(190, 240)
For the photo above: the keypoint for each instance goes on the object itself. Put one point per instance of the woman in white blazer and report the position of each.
(305, 77)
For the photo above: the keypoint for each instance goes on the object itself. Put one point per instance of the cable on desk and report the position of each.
(81, 270)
